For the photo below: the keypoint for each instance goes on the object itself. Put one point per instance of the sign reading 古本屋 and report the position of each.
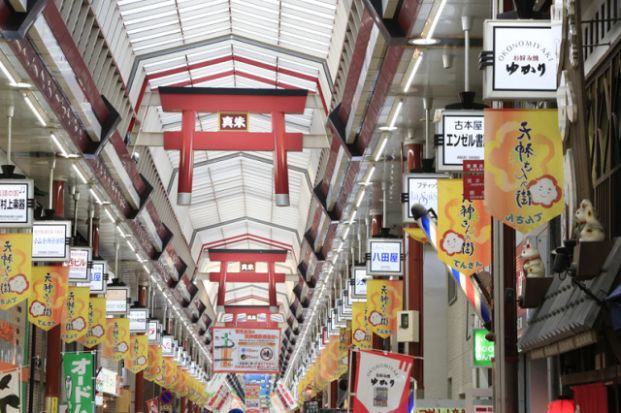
(420, 189)
(525, 59)
(50, 240)
(463, 133)
(16, 203)
(246, 350)
(483, 350)
(78, 264)
(382, 382)
(78, 379)
(385, 257)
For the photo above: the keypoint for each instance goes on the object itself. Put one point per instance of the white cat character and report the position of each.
(452, 243)
(531, 261)
(544, 191)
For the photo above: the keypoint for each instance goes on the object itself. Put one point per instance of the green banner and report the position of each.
(483, 349)
(78, 375)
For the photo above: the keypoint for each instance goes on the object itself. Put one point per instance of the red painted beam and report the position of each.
(247, 277)
(272, 288)
(247, 237)
(232, 255)
(186, 157)
(234, 141)
(244, 309)
(174, 99)
(281, 173)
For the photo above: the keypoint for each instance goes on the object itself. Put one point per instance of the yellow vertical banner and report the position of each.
(116, 343)
(96, 319)
(464, 229)
(154, 363)
(138, 353)
(343, 350)
(333, 357)
(171, 373)
(360, 331)
(523, 166)
(384, 300)
(160, 379)
(74, 319)
(48, 294)
(15, 269)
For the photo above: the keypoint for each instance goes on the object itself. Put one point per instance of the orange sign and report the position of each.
(138, 353)
(464, 229)
(384, 300)
(170, 375)
(154, 363)
(360, 331)
(96, 322)
(74, 324)
(523, 167)
(15, 269)
(116, 343)
(48, 295)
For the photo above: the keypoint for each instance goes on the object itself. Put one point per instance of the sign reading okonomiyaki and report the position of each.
(246, 350)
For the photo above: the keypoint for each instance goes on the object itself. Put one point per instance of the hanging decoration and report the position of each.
(384, 301)
(360, 331)
(15, 269)
(48, 295)
(74, 319)
(96, 329)
(116, 343)
(138, 353)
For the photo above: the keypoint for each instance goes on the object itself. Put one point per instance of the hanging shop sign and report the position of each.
(79, 258)
(16, 202)
(382, 382)
(483, 349)
(170, 372)
(464, 229)
(49, 293)
(168, 346)
(462, 139)
(97, 282)
(419, 189)
(10, 390)
(15, 269)
(138, 320)
(232, 121)
(117, 300)
(286, 396)
(384, 301)
(74, 319)
(385, 257)
(97, 323)
(116, 342)
(237, 350)
(107, 382)
(474, 183)
(78, 373)
(50, 240)
(359, 286)
(524, 167)
(154, 332)
(360, 329)
(520, 59)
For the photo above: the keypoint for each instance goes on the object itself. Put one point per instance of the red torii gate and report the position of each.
(190, 101)
(271, 257)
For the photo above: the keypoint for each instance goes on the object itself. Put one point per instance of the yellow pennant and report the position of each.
(523, 166)
(48, 295)
(96, 330)
(74, 324)
(116, 343)
(384, 300)
(360, 331)
(15, 269)
(138, 353)
(154, 363)
(171, 372)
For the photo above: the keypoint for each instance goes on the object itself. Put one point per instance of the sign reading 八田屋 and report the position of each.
(463, 133)
(483, 349)
(385, 257)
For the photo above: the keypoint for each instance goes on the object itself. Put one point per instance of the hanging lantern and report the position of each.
(562, 406)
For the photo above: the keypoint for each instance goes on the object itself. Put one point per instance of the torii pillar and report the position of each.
(190, 101)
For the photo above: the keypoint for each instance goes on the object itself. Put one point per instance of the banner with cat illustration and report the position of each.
(384, 301)
(50, 286)
(15, 269)
(10, 396)
(523, 167)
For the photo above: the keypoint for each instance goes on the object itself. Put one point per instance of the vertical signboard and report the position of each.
(420, 189)
(49, 293)
(79, 258)
(50, 240)
(15, 269)
(463, 133)
(384, 301)
(78, 374)
(385, 257)
(96, 322)
(483, 349)
(16, 202)
(97, 278)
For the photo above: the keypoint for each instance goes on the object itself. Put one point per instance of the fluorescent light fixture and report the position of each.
(395, 115)
(360, 197)
(94, 194)
(120, 231)
(369, 175)
(346, 234)
(435, 21)
(353, 216)
(107, 211)
(410, 80)
(145, 268)
(35, 111)
(7, 74)
(131, 247)
(58, 145)
(382, 146)
(77, 171)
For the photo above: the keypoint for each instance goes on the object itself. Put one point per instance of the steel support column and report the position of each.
(272, 287)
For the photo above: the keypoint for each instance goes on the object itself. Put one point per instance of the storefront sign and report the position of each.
(15, 269)
(138, 318)
(420, 189)
(525, 59)
(78, 379)
(382, 382)
(116, 300)
(462, 133)
(107, 382)
(168, 346)
(483, 349)
(79, 258)
(10, 390)
(154, 332)
(524, 167)
(359, 290)
(16, 202)
(385, 257)
(50, 240)
(237, 350)
(49, 293)
(474, 182)
(96, 322)
(74, 319)
(154, 362)
(97, 283)
(384, 301)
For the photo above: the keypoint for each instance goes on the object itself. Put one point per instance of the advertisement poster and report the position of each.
(138, 353)
(78, 380)
(384, 300)
(96, 322)
(78, 264)
(15, 269)
(49, 292)
(50, 240)
(116, 342)
(238, 350)
(524, 167)
(74, 319)
(360, 331)
(382, 382)
(464, 229)
(10, 394)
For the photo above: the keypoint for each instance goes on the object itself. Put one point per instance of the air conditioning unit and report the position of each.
(407, 327)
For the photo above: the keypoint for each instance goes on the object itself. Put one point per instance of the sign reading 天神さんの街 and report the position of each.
(524, 167)
(360, 331)
(116, 342)
(15, 269)
(97, 323)
(384, 301)
(244, 350)
(48, 295)
(74, 319)
(78, 380)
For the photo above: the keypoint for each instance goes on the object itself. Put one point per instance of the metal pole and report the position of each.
(9, 134)
(427, 103)
(466, 25)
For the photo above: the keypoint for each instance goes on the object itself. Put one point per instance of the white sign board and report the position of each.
(97, 282)
(463, 133)
(153, 332)
(15, 208)
(78, 264)
(246, 350)
(168, 346)
(360, 283)
(525, 59)
(138, 318)
(116, 300)
(106, 381)
(385, 257)
(50, 240)
(420, 189)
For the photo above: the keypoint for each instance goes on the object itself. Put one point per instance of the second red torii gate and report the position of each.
(190, 101)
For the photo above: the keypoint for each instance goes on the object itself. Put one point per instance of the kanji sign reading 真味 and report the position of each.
(78, 373)
(232, 121)
(243, 350)
(463, 133)
(385, 257)
(524, 167)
